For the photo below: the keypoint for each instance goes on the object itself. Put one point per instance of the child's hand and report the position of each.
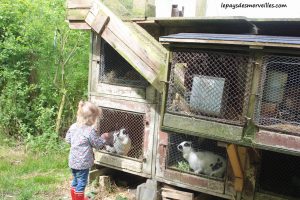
(107, 137)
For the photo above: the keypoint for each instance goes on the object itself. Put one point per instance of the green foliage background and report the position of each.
(31, 47)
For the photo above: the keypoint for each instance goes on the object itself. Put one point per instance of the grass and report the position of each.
(25, 176)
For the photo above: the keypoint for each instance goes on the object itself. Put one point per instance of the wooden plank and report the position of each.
(79, 25)
(236, 167)
(274, 140)
(96, 48)
(123, 33)
(77, 14)
(269, 44)
(93, 76)
(250, 173)
(99, 23)
(123, 98)
(126, 105)
(194, 180)
(118, 162)
(79, 3)
(203, 128)
(117, 90)
(257, 68)
(193, 187)
(176, 194)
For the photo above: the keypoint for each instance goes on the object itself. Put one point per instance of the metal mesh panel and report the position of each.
(209, 84)
(280, 174)
(279, 104)
(134, 123)
(175, 160)
(115, 69)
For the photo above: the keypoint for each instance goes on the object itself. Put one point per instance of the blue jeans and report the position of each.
(80, 178)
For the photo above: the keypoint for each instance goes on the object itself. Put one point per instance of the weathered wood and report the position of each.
(94, 174)
(79, 3)
(250, 173)
(273, 140)
(176, 194)
(96, 48)
(236, 166)
(203, 128)
(131, 57)
(126, 105)
(122, 98)
(194, 187)
(77, 14)
(267, 44)
(99, 23)
(134, 50)
(117, 90)
(79, 25)
(201, 182)
(119, 162)
(105, 184)
(257, 67)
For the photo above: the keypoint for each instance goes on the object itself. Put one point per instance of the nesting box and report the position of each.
(127, 101)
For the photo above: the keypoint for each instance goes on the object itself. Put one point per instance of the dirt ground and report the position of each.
(122, 191)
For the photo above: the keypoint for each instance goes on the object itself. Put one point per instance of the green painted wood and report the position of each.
(203, 128)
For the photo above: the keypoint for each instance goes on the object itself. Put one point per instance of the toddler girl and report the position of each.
(83, 138)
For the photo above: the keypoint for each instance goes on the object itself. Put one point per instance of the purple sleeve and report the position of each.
(68, 137)
(96, 141)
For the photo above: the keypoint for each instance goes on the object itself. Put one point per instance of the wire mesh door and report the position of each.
(280, 174)
(279, 104)
(209, 84)
(114, 69)
(177, 159)
(134, 123)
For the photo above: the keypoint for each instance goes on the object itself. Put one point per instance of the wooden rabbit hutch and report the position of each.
(183, 86)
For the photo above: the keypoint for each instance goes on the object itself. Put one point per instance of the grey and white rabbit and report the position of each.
(121, 143)
(204, 162)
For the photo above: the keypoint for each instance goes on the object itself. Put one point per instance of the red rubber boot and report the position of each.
(80, 196)
(73, 193)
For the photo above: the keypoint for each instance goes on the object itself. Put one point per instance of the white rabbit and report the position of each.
(204, 162)
(121, 143)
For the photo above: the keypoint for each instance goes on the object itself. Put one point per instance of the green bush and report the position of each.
(34, 39)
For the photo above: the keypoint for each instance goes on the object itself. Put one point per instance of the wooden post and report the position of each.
(236, 167)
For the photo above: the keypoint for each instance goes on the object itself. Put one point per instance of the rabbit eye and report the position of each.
(186, 144)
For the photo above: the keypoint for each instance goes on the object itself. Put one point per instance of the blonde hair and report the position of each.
(87, 113)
